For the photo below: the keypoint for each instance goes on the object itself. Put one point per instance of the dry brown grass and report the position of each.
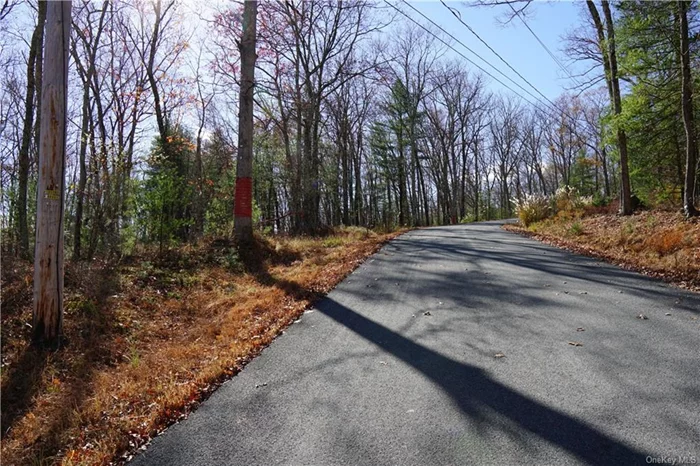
(658, 243)
(150, 339)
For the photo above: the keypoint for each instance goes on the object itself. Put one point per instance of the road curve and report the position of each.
(398, 366)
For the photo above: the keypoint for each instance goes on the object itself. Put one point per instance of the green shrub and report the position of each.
(628, 229)
(232, 261)
(601, 201)
(576, 229)
(134, 357)
(332, 242)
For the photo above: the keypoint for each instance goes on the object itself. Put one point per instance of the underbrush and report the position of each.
(150, 337)
(537, 207)
(659, 243)
(534, 208)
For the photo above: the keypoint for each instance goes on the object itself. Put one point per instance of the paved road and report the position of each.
(397, 366)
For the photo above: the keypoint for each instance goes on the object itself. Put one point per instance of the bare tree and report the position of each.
(415, 53)
(6, 7)
(506, 146)
(688, 118)
(606, 44)
(205, 94)
(86, 71)
(563, 138)
(534, 130)
(243, 222)
(48, 261)
(32, 65)
(593, 115)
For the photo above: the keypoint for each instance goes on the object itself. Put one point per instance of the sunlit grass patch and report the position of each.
(658, 243)
(153, 336)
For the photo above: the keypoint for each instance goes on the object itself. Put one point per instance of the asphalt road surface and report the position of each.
(399, 366)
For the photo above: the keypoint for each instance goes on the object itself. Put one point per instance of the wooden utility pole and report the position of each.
(243, 209)
(48, 258)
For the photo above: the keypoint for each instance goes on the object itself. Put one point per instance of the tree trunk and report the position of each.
(161, 118)
(198, 207)
(606, 176)
(243, 222)
(82, 179)
(48, 261)
(39, 73)
(402, 181)
(34, 49)
(359, 218)
(86, 73)
(477, 180)
(426, 207)
(691, 153)
(608, 50)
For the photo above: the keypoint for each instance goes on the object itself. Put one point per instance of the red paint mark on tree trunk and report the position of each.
(243, 206)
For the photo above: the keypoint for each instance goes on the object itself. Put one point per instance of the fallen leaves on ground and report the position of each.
(151, 337)
(657, 243)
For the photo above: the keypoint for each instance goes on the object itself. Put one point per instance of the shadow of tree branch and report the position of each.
(472, 389)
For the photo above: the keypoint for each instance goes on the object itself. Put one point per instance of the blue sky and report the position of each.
(551, 21)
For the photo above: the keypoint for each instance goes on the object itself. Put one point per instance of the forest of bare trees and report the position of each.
(181, 180)
(352, 126)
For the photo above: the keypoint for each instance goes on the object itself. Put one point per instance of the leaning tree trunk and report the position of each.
(48, 260)
(243, 211)
(688, 120)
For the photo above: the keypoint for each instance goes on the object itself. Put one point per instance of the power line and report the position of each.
(552, 105)
(548, 105)
(552, 55)
(459, 18)
(458, 52)
(464, 56)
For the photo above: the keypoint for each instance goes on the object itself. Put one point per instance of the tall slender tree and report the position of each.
(48, 260)
(86, 71)
(688, 118)
(32, 65)
(243, 210)
(606, 43)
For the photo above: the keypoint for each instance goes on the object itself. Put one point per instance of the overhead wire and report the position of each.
(552, 105)
(462, 54)
(549, 105)
(544, 46)
(464, 23)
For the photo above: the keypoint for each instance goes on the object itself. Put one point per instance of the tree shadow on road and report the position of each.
(468, 386)
(472, 390)
(541, 258)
